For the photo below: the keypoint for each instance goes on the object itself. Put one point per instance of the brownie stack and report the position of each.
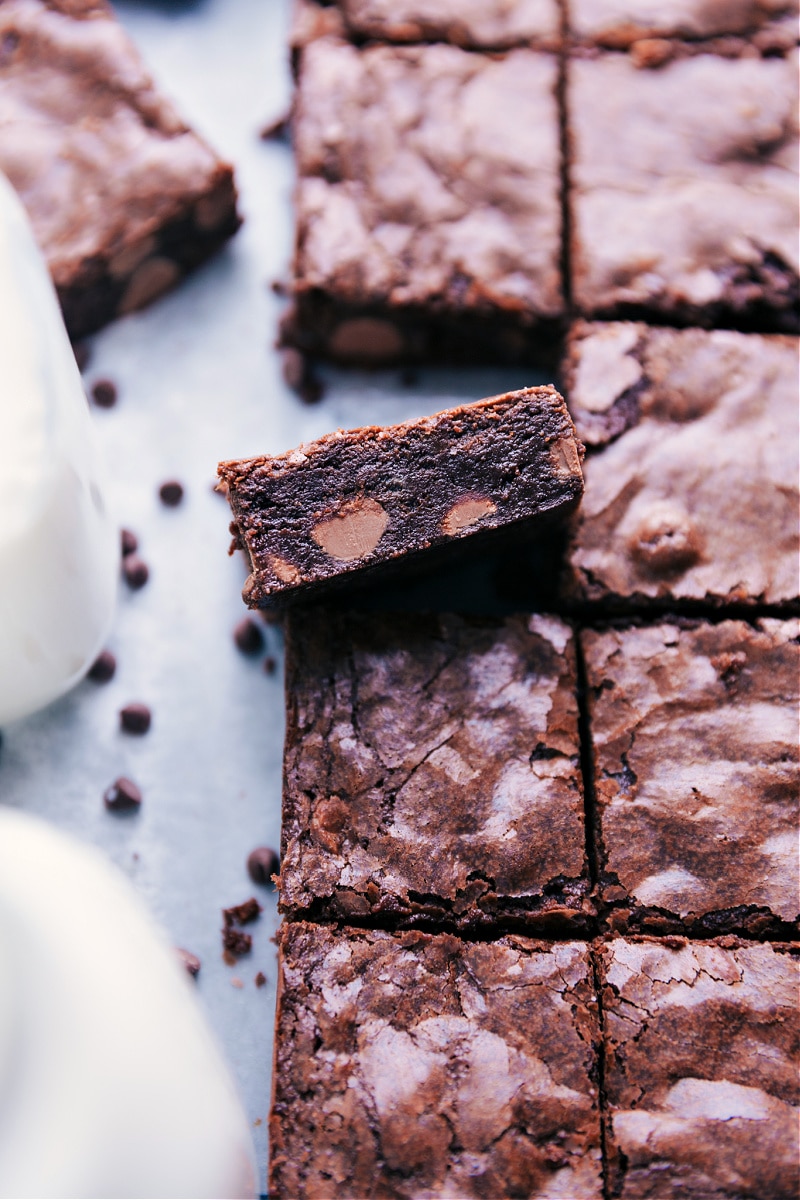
(540, 871)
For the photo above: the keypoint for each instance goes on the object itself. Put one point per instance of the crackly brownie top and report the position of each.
(412, 1065)
(417, 187)
(685, 184)
(619, 23)
(697, 497)
(99, 158)
(494, 24)
(696, 763)
(429, 759)
(701, 1068)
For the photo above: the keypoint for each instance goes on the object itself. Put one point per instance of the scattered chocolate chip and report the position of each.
(236, 942)
(122, 796)
(104, 393)
(262, 864)
(135, 718)
(190, 961)
(248, 637)
(82, 355)
(129, 542)
(103, 667)
(241, 914)
(261, 979)
(171, 493)
(270, 665)
(136, 571)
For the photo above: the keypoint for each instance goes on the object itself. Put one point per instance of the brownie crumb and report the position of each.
(242, 914)
(104, 393)
(136, 571)
(261, 979)
(301, 377)
(262, 864)
(122, 796)
(276, 130)
(280, 287)
(270, 665)
(248, 637)
(82, 355)
(190, 961)
(236, 942)
(171, 493)
(135, 718)
(103, 667)
(129, 543)
(237, 982)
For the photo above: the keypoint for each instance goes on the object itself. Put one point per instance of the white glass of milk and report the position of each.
(59, 547)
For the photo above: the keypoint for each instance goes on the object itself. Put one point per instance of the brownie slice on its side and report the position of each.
(350, 506)
(701, 1081)
(694, 732)
(123, 197)
(431, 772)
(411, 1065)
(692, 490)
(428, 217)
(684, 190)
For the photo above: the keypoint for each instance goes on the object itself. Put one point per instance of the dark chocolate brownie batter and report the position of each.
(694, 732)
(347, 507)
(692, 493)
(123, 197)
(701, 1082)
(431, 772)
(418, 1066)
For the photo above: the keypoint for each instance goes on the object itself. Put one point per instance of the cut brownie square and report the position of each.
(620, 24)
(123, 198)
(701, 1069)
(411, 1065)
(694, 732)
(353, 505)
(692, 494)
(476, 24)
(428, 220)
(684, 190)
(431, 772)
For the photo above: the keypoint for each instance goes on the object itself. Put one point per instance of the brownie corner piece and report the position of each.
(701, 1083)
(416, 1064)
(122, 196)
(694, 741)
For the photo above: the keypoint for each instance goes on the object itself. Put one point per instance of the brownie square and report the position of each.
(701, 1079)
(620, 24)
(414, 1065)
(684, 189)
(428, 222)
(692, 488)
(695, 749)
(123, 197)
(478, 24)
(431, 771)
(360, 506)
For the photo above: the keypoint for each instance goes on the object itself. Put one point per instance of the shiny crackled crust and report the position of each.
(410, 1065)
(431, 772)
(684, 189)
(123, 197)
(695, 754)
(692, 476)
(479, 24)
(701, 1049)
(620, 24)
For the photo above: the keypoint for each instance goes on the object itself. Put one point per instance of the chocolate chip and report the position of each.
(236, 942)
(104, 393)
(122, 796)
(129, 542)
(270, 665)
(135, 718)
(82, 355)
(262, 864)
(248, 637)
(189, 961)
(103, 667)
(171, 493)
(261, 979)
(241, 914)
(136, 571)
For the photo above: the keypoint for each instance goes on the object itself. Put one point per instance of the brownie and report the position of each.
(692, 482)
(431, 772)
(411, 1065)
(620, 24)
(478, 24)
(352, 505)
(701, 1069)
(428, 222)
(695, 753)
(123, 197)
(684, 190)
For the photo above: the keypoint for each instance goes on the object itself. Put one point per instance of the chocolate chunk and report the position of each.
(236, 942)
(171, 493)
(248, 637)
(104, 393)
(260, 979)
(103, 667)
(190, 961)
(262, 864)
(135, 718)
(136, 571)
(242, 914)
(122, 796)
(129, 542)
